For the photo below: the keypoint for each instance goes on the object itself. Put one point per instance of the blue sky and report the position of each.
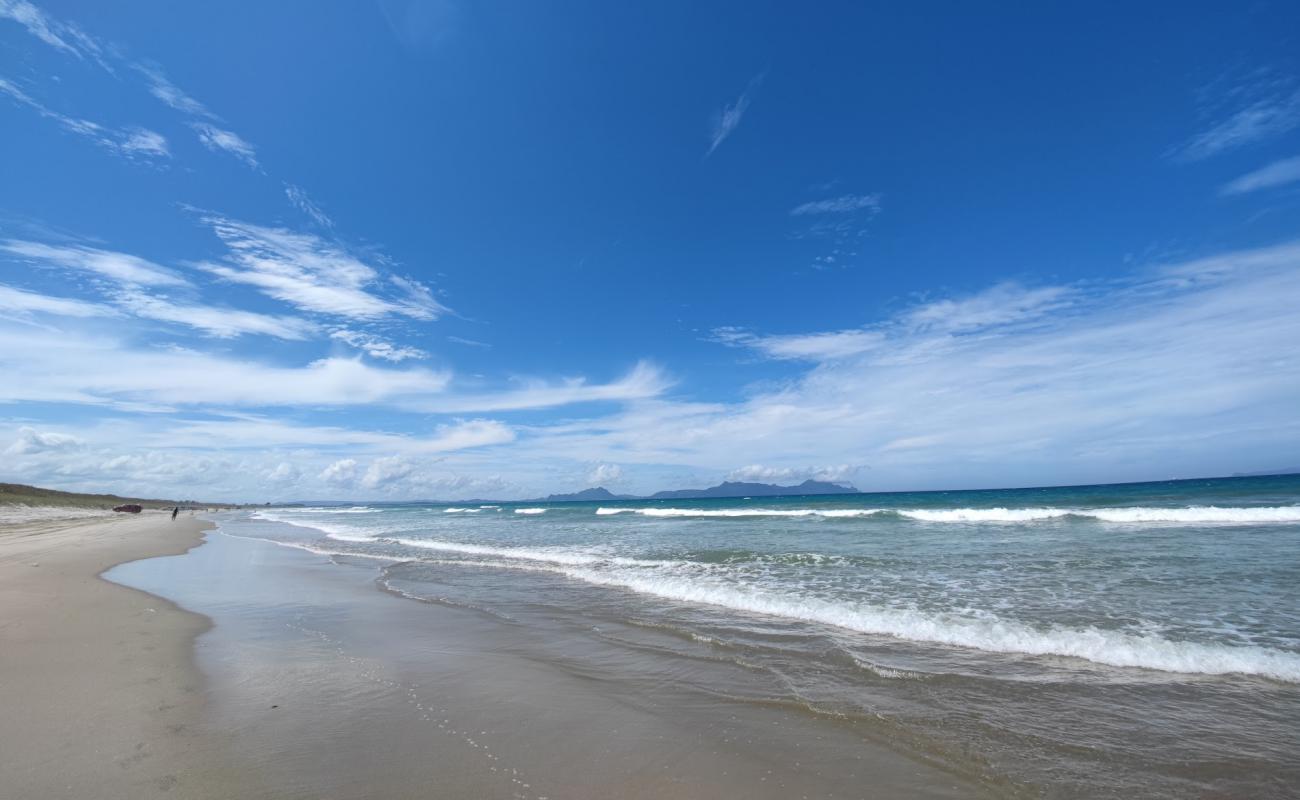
(408, 249)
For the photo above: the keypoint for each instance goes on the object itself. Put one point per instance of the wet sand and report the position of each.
(314, 683)
(100, 693)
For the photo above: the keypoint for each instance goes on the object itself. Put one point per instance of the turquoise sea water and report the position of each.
(1092, 640)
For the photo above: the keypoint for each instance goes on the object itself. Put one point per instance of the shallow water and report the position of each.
(1086, 641)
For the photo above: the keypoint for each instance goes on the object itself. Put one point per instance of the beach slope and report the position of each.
(101, 694)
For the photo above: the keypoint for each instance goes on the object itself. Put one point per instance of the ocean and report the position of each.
(1120, 640)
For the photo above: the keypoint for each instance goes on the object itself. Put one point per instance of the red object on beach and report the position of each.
(129, 508)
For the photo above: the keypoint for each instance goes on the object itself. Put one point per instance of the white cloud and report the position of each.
(467, 342)
(377, 347)
(22, 301)
(1261, 106)
(758, 473)
(340, 473)
(1279, 173)
(59, 35)
(223, 323)
(844, 204)
(218, 139)
(32, 441)
(314, 275)
(284, 473)
(169, 93)
(298, 199)
(465, 435)
(1004, 304)
(131, 143)
(99, 370)
(825, 346)
(728, 118)
(384, 471)
(644, 381)
(602, 474)
(1185, 370)
(145, 142)
(120, 267)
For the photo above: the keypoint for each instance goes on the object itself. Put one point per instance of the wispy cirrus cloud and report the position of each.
(140, 143)
(214, 137)
(821, 346)
(1279, 173)
(299, 199)
(1240, 111)
(842, 220)
(645, 380)
(217, 321)
(728, 118)
(314, 274)
(103, 371)
(120, 267)
(221, 140)
(69, 38)
(60, 35)
(161, 87)
(377, 346)
(843, 204)
(23, 302)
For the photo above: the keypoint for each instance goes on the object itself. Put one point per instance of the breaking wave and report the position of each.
(1188, 514)
(696, 583)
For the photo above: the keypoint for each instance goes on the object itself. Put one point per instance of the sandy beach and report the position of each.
(101, 694)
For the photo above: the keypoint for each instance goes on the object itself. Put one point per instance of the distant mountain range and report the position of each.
(725, 489)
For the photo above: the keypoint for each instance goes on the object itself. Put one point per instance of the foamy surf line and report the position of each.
(1112, 648)
(662, 579)
(1187, 515)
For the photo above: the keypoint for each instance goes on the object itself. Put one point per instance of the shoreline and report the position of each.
(102, 690)
(332, 687)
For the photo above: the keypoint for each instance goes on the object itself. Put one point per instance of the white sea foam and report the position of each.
(530, 511)
(1189, 514)
(742, 512)
(547, 556)
(333, 530)
(330, 510)
(321, 551)
(348, 537)
(460, 510)
(692, 582)
(553, 556)
(988, 633)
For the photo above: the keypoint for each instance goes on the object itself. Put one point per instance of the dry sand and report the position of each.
(100, 694)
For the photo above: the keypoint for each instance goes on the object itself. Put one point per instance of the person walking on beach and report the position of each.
(176, 510)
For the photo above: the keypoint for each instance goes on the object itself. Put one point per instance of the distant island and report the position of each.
(725, 489)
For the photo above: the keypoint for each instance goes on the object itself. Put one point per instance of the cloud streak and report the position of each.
(1262, 106)
(845, 204)
(120, 267)
(135, 143)
(315, 275)
(224, 141)
(728, 118)
(1279, 173)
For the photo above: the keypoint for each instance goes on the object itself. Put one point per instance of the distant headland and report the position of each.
(725, 489)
